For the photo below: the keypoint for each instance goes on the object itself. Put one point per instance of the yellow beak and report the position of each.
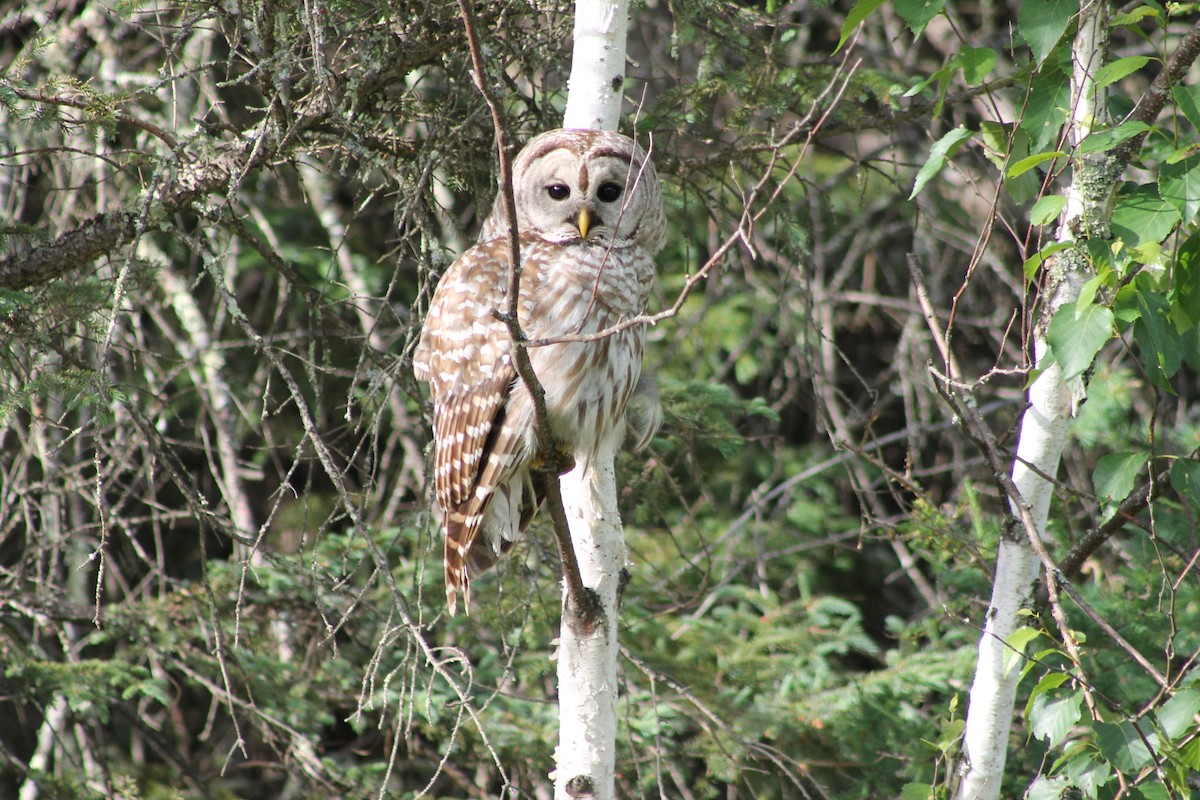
(583, 222)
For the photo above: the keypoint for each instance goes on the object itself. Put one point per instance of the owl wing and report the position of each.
(465, 354)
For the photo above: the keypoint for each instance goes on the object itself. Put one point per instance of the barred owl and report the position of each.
(590, 218)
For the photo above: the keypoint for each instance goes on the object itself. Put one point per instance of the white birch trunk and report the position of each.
(585, 759)
(597, 65)
(587, 663)
(1039, 448)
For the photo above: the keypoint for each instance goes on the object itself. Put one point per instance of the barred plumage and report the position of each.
(590, 216)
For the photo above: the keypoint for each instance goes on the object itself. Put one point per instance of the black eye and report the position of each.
(558, 191)
(608, 192)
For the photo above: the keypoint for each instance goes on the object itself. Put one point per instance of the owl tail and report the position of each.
(480, 533)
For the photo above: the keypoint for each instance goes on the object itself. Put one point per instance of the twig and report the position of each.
(551, 457)
(1061, 581)
(84, 105)
(740, 234)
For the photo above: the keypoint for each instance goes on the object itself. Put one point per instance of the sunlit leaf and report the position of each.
(1116, 70)
(1143, 216)
(1101, 141)
(1026, 164)
(942, 149)
(1047, 209)
(1116, 473)
(1051, 718)
(1076, 336)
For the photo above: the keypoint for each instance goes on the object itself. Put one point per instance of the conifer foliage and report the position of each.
(220, 227)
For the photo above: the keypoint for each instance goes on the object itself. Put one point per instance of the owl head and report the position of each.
(588, 186)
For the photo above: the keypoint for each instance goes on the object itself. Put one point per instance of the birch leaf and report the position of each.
(916, 791)
(1122, 67)
(1049, 97)
(1179, 185)
(1014, 653)
(976, 63)
(1051, 718)
(1175, 716)
(1143, 216)
(1188, 98)
(1115, 474)
(1045, 788)
(1101, 141)
(1076, 336)
(1185, 279)
(942, 149)
(1185, 479)
(1047, 209)
(1026, 164)
(918, 13)
(1122, 746)
(1158, 342)
(1043, 22)
(862, 9)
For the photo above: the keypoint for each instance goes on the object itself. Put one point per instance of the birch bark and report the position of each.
(1043, 430)
(585, 759)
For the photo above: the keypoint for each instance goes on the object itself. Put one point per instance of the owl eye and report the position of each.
(558, 191)
(608, 192)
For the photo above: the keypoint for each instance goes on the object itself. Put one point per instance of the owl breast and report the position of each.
(578, 290)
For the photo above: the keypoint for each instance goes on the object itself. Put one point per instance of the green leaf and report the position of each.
(1188, 100)
(1159, 345)
(1047, 209)
(1076, 336)
(1026, 164)
(1002, 144)
(1179, 185)
(862, 9)
(1121, 68)
(1035, 261)
(1176, 714)
(1043, 22)
(976, 63)
(1134, 17)
(1185, 479)
(1122, 746)
(944, 147)
(1143, 216)
(1185, 279)
(918, 13)
(1017, 641)
(1046, 111)
(1051, 680)
(1052, 718)
(916, 791)
(1115, 474)
(1047, 788)
(1100, 141)
(1189, 755)
(1087, 772)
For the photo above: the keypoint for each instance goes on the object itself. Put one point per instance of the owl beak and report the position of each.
(583, 222)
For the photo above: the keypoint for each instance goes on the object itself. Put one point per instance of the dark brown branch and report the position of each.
(580, 608)
(1152, 102)
(84, 105)
(106, 232)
